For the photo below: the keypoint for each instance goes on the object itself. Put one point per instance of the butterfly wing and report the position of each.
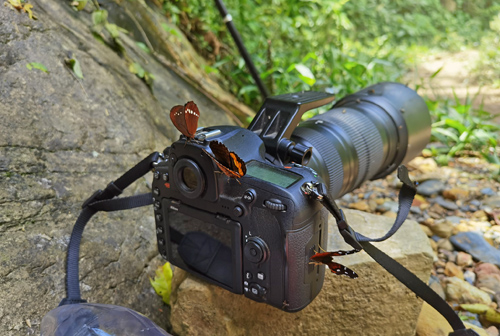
(234, 166)
(341, 270)
(185, 118)
(191, 116)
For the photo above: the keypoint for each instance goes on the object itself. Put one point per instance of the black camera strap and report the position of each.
(102, 200)
(361, 242)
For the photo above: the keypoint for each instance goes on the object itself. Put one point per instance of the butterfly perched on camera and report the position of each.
(228, 162)
(326, 258)
(185, 118)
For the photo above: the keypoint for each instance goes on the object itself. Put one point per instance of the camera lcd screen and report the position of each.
(201, 246)
(270, 174)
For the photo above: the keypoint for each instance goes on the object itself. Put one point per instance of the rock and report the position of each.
(487, 192)
(426, 230)
(487, 269)
(198, 306)
(453, 270)
(449, 205)
(62, 138)
(442, 229)
(470, 277)
(456, 193)
(388, 206)
(475, 245)
(493, 202)
(425, 165)
(430, 187)
(454, 219)
(431, 323)
(435, 284)
(361, 205)
(460, 291)
(464, 259)
(492, 331)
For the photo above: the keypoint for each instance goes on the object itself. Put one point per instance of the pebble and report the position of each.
(475, 203)
(450, 205)
(454, 219)
(453, 270)
(445, 244)
(435, 284)
(442, 229)
(488, 192)
(492, 331)
(430, 187)
(426, 230)
(460, 291)
(476, 246)
(464, 259)
(363, 206)
(456, 193)
(388, 206)
(493, 202)
(470, 277)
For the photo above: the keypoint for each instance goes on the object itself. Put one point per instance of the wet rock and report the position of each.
(449, 205)
(474, 244)
(455, 194)
(460, 291)
(453, 270)
(430, 187)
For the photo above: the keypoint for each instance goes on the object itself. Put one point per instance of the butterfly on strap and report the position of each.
(228, 162)
(326, 258)
(185, 118)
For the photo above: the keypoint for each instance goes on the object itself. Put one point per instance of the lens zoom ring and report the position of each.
(329, 155)
(365, 139)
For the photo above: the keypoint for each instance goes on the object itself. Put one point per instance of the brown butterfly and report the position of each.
(228, 162)
(326, 258)
(185, 118)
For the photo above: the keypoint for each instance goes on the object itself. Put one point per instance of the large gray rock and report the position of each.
(62, 138)
(374, 304)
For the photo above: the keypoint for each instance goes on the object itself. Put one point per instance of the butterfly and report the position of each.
(326, 258)
(228, 162)
(185, 118)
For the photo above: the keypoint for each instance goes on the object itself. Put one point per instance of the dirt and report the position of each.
(456, 76)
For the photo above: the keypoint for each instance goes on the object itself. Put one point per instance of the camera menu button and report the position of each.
(261, 276)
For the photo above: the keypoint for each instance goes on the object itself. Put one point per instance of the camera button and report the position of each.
(237, 211)
(245, 283)
(248, 196)
(165, 177)
(261, 276)
(158, 217)
(156, 191)
(255, 289)
(157, 175)
(248, 276)
(275, 204)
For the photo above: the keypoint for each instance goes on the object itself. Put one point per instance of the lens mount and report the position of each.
(189, 178)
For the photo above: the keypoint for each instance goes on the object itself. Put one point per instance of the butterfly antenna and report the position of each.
(321, 248)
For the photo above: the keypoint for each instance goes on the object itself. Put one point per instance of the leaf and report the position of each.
(74, 65)
(137, 69)
(39, 66)
(162, 282)
(143, 47)
(79, 4)
(100, 17)
(305, 74)
(456, 125)
(478, 308)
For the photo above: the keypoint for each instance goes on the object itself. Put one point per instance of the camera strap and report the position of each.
(361, 242)
(102, 200)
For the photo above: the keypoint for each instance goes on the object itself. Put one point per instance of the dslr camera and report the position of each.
(254, 235)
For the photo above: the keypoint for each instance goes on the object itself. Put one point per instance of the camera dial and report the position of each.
(256, 250)
(189, 178)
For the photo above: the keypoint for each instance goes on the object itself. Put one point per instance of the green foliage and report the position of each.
(39, 66)
(162, 282)
(461, 128)
(74, 65)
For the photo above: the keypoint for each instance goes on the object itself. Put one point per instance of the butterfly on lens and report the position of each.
(326, 258)
(185, 118)
(228, 162)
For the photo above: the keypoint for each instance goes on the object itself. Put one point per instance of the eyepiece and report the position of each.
(189, 178)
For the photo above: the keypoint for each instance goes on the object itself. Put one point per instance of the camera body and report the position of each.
(252, 236)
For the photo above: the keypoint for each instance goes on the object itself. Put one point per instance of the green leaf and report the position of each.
(162, 282)
(137, 69)
(305, 74)
(456, 125)
(75, 66)
(478, 308)
(143, 47)
(79, 4)
(100, 17)
(39, 66)
(445, 132)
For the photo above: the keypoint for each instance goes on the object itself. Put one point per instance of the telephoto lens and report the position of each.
(366, 135)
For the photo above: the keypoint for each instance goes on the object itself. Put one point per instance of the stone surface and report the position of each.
(460, 291)
(477, 246)
(430, 187)
(61, 139)
(374, 304)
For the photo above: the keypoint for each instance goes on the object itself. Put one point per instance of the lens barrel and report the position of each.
(366, 135)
